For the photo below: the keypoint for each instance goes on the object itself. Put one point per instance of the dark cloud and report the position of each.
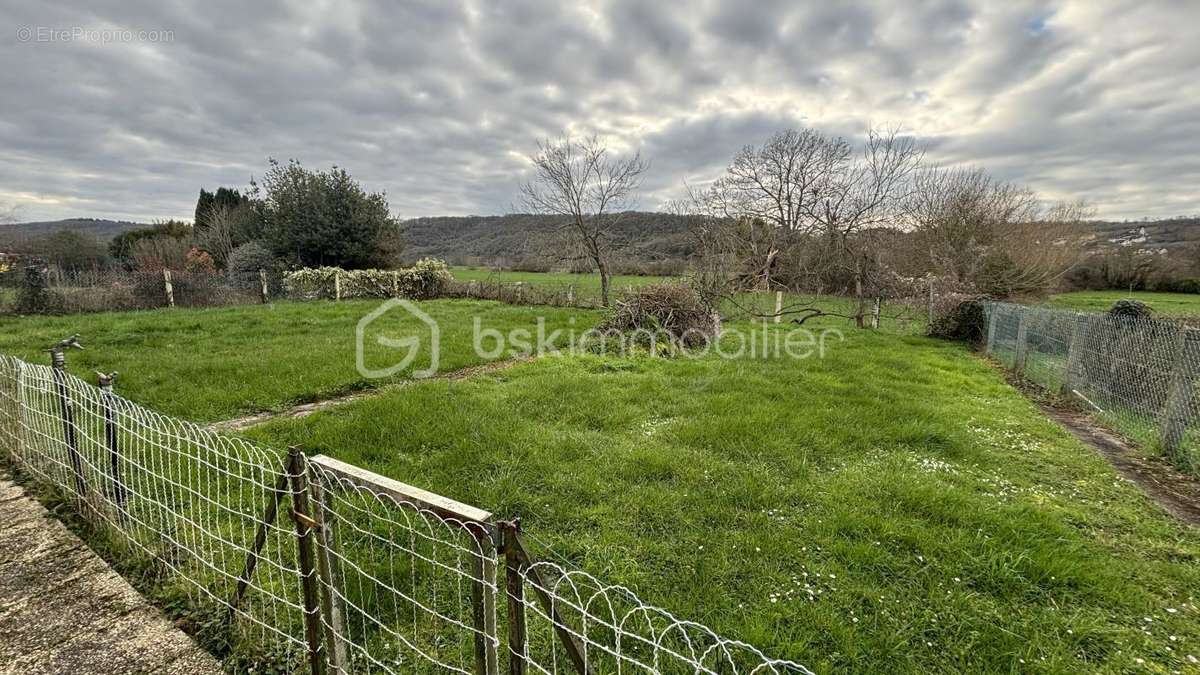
(438, 101)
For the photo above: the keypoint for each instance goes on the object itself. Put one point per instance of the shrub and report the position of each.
(959, 316)
(675, 310)
(1131, 309)
(428, 278)
(244, 263)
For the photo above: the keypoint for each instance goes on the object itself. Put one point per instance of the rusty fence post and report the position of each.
(483, 601)
(305, 538)
(117, 487)
(329, 571)
(515, 591)
(58, 362)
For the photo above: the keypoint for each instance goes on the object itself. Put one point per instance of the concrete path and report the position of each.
(62, 610)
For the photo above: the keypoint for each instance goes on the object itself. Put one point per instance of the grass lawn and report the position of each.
(1168, 304)
(211, 364)
(894, 506)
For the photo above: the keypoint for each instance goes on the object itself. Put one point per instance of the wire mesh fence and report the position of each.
(1137, 374)
(295, 563)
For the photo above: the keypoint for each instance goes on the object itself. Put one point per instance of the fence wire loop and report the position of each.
(360, 573)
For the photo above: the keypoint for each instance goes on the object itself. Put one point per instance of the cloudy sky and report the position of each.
(437, 102)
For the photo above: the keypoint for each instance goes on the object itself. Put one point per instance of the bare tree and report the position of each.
(768, 189)
(989, 236)
(218, 236)
(579, 180)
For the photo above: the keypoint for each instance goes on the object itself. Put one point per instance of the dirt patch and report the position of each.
(1174, 491)
(306, 409)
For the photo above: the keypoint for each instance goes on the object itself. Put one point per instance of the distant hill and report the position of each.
(1170, 236)
(649, 242)
(101, 229)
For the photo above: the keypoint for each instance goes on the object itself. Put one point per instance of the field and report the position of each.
(1167, 304)
(893, 506)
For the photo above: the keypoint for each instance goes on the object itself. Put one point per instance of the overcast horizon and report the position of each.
(439, 103)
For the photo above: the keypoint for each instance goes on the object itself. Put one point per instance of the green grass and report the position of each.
(941, 523)
(212, 364)
(1167, 304)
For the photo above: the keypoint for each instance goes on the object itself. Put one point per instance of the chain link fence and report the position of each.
(291, 563)
(1136, 374)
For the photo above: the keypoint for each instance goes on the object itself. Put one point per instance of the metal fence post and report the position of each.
(1177, 411)
(330, 574)
(117, 484)
(1022, 347)
(58, 362)
(515, 587)
(483, 603)
(170, 290)
(305, 527)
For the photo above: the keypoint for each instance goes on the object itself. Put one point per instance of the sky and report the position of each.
(125, 109)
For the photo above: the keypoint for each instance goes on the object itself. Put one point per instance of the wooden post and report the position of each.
(395, 283)
(330, 573)
(306, 565)
(570, 295)
(1072, 374)
(875, 315)
(520, 292)
(337, 285)
(1184, 371)
(260, 539)
(483, 602)
(515, 586)
(168, 288)
(930, 301)
(993, 317)
(266, 294)
(58, 362)
(778, 306)
(1022, 348)
(117, 485)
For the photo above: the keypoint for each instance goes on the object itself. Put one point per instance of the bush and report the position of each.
(428, 278)
(959, 316)
(1131, 309)
(244, 263)
(675, 310)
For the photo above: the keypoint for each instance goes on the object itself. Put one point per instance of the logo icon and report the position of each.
(411, 343)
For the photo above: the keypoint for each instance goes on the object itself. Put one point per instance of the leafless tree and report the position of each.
(990, 236)
(579, 180)
(218, 236)
(767, 190)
